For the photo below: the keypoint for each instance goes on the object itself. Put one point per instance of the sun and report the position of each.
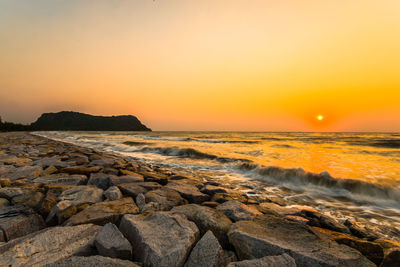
(320, 117)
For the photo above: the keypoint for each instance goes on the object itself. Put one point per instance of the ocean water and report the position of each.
(346, 175)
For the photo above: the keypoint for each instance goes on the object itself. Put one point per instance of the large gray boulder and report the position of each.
(100, 180)
(237, 211)
(26, 172)
(62, 179)
(132, 189)
(113, 193)
(207, 219)
(165, 198)
(207, 253)
(111, 243)
(268, 261)
(92, 261)
(271, 235)
(188, 191)
(47, 246)
(160, 239)
(82, 194)
(104, 212)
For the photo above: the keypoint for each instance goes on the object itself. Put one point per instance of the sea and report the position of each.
(345, 175)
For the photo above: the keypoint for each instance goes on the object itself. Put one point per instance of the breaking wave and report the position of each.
(199, 140)
(299, 179)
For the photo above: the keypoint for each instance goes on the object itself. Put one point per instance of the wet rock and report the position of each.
(269, 235)
(212, 189)
(190, 192)
(168, 245)
(207, 252)
(237, 211)
(82, 195)
(223, 197)
(207, 219)
(47, 246)
(31, 199)
(320, 220)
(357, 230)
(104, 212)
(117, 180)
(165, 198)
(92, 261)
(28, 172)
(100, 180)
(18, 221)
(270, 261)
(272, 208)
(4, 202)
(62, 179)
(132, 189)
(371, 250)
(111, 243)
(81, 170)
(113, 193)
(155, 177)
(392, 259)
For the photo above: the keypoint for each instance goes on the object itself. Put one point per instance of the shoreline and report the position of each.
(155, 216)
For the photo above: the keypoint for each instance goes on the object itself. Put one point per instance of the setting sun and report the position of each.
(320, 117)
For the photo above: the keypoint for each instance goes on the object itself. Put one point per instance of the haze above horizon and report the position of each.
(205, 65)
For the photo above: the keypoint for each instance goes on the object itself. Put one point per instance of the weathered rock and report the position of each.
(18, 221)
(47, 246)
(5, 182)
(223, 197)
(392, 259)
(371, 250)
(15, 161)
(28, 172)
(113, 193)
(10, 192)
(81, 170)
(140, 201)
(104, 212)
(320, 220)
(92, 261)
(270, 235)
(101, 180)
(190, 192)
(51, 161)
(30, 198)
(166, 198)
(48, 202)
(111, 243)
(149, 185)
(61, 212)
(210, 204)
(268, 261)
(207, 252)
(237, 211)
(212, 189)
(229, 256)
(155, 177)
(160, 239)
(104, 162)
(4, 202)
(62, 179)
(272, 208)
(132, 189)
(57, 189)
(117, 180)
(207, 219)
(50, 170)
(82, 195)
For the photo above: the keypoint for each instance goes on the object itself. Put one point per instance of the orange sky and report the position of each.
(205, 65)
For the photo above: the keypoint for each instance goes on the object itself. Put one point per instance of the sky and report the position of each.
(241, 65)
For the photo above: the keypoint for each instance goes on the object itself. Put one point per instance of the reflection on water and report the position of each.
(345, 174)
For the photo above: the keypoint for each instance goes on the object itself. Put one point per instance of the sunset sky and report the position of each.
(243, 65)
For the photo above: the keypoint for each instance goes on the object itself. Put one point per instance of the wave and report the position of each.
(188, 139)
(299, 179)
(134, 143)
(384, 143)
(188, 153)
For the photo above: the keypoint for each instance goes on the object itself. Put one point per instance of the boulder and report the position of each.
(104, 212)
(48, 202)
(207, 252)
(207, 219)
(237, 211)
(16, 161)
(132, 189)
(62, 179)
(92, 261)
(54, 161)
(269, 261)
(111, 243)
(117, 180)
(18, 221)
(373, 251)
(5, 182)
(160, 239)
(81, 170)
(190, 192)
(50, 170)
(212, 189)
(271, 235)
(10, 192)
(392, 258)
(140, 201)
(82, 194)
(320, 220)
(4, 202)
(28, 172)
(47, 246)
(155, 177)
(61, 212)
(223, 197)
(272, 208)
(165, 198)
(30, 198)
(100, 180)
(113, 193)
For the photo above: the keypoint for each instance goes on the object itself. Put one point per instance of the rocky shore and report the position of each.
(64, 205)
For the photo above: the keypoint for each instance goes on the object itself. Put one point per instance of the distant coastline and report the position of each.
(76, 121)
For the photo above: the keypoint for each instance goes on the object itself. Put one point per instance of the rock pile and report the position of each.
(64, 205)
